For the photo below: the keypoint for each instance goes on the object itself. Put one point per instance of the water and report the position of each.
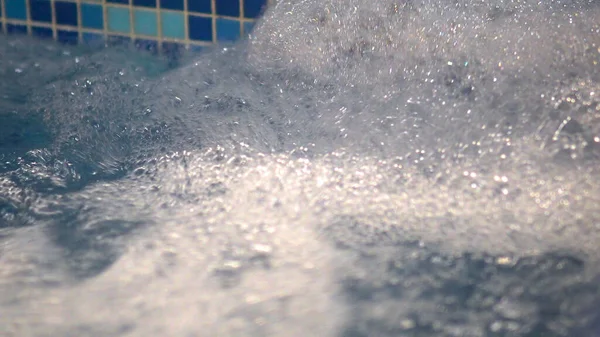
(399, 168)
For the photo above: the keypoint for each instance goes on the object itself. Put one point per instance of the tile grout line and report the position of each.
(158, 26)
(98, 31)
(198, 14)
(53, 21)
(186, 25)
(186, 40)
(242, 15)
(28, 16)
(79, 23)
(3, 18)
(105, 22)
(213, 10)
(131, 22)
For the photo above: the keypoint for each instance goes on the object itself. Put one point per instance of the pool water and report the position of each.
(423, 168)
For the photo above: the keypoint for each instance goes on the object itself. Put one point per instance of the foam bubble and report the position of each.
(398, 168)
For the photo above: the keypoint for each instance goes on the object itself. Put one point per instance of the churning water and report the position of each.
(355, 168)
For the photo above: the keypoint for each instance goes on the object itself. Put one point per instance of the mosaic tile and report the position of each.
(15, 9)
(228, 30)
(253, 8)
(118, 19)
(92, 38)
(172, 4)
(92, 16)
(67, 37)
(182, 23)
(145, 22)
(145, 3)
(42, 32)
(173, 25)
(199, 6)
(200, 28)
(228, 7)
(16, 29)
(40, 10)
(66, 13)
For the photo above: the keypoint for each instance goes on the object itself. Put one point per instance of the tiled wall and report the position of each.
(151, 23)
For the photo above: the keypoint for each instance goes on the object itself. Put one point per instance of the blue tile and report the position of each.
(197, 49)
(172, 4)
(147, 45)
(173, 51)
(254, 8)
(173, 47)
(15, 9)
(67, 37)
(199, 6)
(66, 13)
(145, 22)
(16, 29)
(248, 27)
(200, 28)
(228, 30)
(92, 38)
(40, 10)
(228, 7)
(116, 40)
(144, 3)
(173, 25)
(118, 19)
(42, 32)
(0, 16)
(125, 2)
(92, 16)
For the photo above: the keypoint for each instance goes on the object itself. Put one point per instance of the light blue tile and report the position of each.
(228, 30)
(15, 9)
(92, 16)
(145, 22)
(118, 19)
(173, 25)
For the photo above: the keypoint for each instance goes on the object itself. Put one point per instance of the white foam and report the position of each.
(465, 127)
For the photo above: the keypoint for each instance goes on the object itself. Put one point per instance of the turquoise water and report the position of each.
(417, 169)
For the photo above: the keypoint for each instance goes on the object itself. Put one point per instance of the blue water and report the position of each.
(335, 175)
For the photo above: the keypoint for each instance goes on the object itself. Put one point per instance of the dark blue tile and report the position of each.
(40, 10)
(228, 30)
(145, 3)
(228, 7)
(42, 32)
(16, 29)
(0, 16)
(199, 6)
(147, 45)
(254, 8)
(200, 28)
(66, 13)
(67, 37)
(172, 4)
(92, 16)
(125, 2)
